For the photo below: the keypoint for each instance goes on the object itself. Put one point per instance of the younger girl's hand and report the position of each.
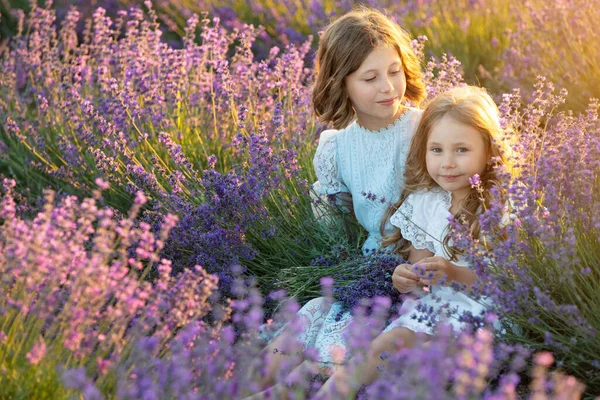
(436, 268)
(404, 279)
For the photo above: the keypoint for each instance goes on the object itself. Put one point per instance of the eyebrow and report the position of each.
(391, 65)
(453, 144)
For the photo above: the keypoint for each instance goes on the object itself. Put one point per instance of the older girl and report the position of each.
(368, 79)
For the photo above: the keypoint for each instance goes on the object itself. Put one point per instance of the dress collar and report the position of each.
(386, 129)
(445, 198)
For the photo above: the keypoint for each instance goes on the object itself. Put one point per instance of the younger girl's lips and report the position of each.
(451, 178)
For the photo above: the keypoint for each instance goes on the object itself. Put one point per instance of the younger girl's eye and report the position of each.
(395, 72)
(462, 150)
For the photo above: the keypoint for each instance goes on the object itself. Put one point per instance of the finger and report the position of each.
(416, 267)
(434, 279)
(430, 280)
(408, 275)
(406, 272)
(411, 282)
(433, 267)
(408, 287)
(419, 269)
(405, 285)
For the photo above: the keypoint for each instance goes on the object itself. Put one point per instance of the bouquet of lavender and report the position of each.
(372, 277)
(355, 277)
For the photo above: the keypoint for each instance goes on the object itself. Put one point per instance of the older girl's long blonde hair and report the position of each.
(343, 47)
(471, 106)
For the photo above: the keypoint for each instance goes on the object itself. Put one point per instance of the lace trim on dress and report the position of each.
(326, 167)
(439, 222)
(446, 199)
(388, 128)
(411, 231)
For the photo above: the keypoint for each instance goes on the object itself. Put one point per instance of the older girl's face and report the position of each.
(376, 89)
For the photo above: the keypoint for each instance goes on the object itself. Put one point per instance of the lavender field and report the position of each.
(156, 210)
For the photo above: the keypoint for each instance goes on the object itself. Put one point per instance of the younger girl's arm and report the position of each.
(416, 255)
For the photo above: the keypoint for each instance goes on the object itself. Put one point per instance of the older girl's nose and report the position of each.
(387, 85)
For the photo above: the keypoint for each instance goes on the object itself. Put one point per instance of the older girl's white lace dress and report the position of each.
(358, 161)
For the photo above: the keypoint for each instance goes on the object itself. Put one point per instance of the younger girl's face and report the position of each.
(455, 152)
(377, 87)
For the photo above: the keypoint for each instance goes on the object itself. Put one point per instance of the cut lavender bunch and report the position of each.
(367, 277)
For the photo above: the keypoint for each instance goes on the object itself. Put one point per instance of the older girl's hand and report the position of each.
(404, 279)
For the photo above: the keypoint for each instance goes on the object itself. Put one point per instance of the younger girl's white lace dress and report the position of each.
(423, 220)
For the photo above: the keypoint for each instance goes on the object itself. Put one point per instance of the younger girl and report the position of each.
(367, 76)
(457, 138)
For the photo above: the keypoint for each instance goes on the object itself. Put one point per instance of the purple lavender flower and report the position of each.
(367, 277)
(37, 353)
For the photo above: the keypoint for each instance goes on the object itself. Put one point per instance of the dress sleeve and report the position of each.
(327, 166)
(412, 221)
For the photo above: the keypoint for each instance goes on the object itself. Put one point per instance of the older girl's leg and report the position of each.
(299, 376)
(349, 379)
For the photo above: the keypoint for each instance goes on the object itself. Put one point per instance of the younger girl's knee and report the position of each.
(393, 340)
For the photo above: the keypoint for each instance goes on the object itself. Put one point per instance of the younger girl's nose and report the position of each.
(448, 162)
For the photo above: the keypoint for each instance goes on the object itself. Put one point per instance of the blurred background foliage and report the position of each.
(221, 133)
(501, 45)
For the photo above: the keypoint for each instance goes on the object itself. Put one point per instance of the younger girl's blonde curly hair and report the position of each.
(468, 105)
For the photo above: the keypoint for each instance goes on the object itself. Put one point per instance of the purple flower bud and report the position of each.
(37, 353)
(475, 181)
(140, 198)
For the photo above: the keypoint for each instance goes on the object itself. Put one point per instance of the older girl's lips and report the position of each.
(387, 102)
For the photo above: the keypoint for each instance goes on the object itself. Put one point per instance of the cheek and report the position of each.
(357, 92)
(401, 81)
(483, 164)
(429, 163)
(351, 93)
